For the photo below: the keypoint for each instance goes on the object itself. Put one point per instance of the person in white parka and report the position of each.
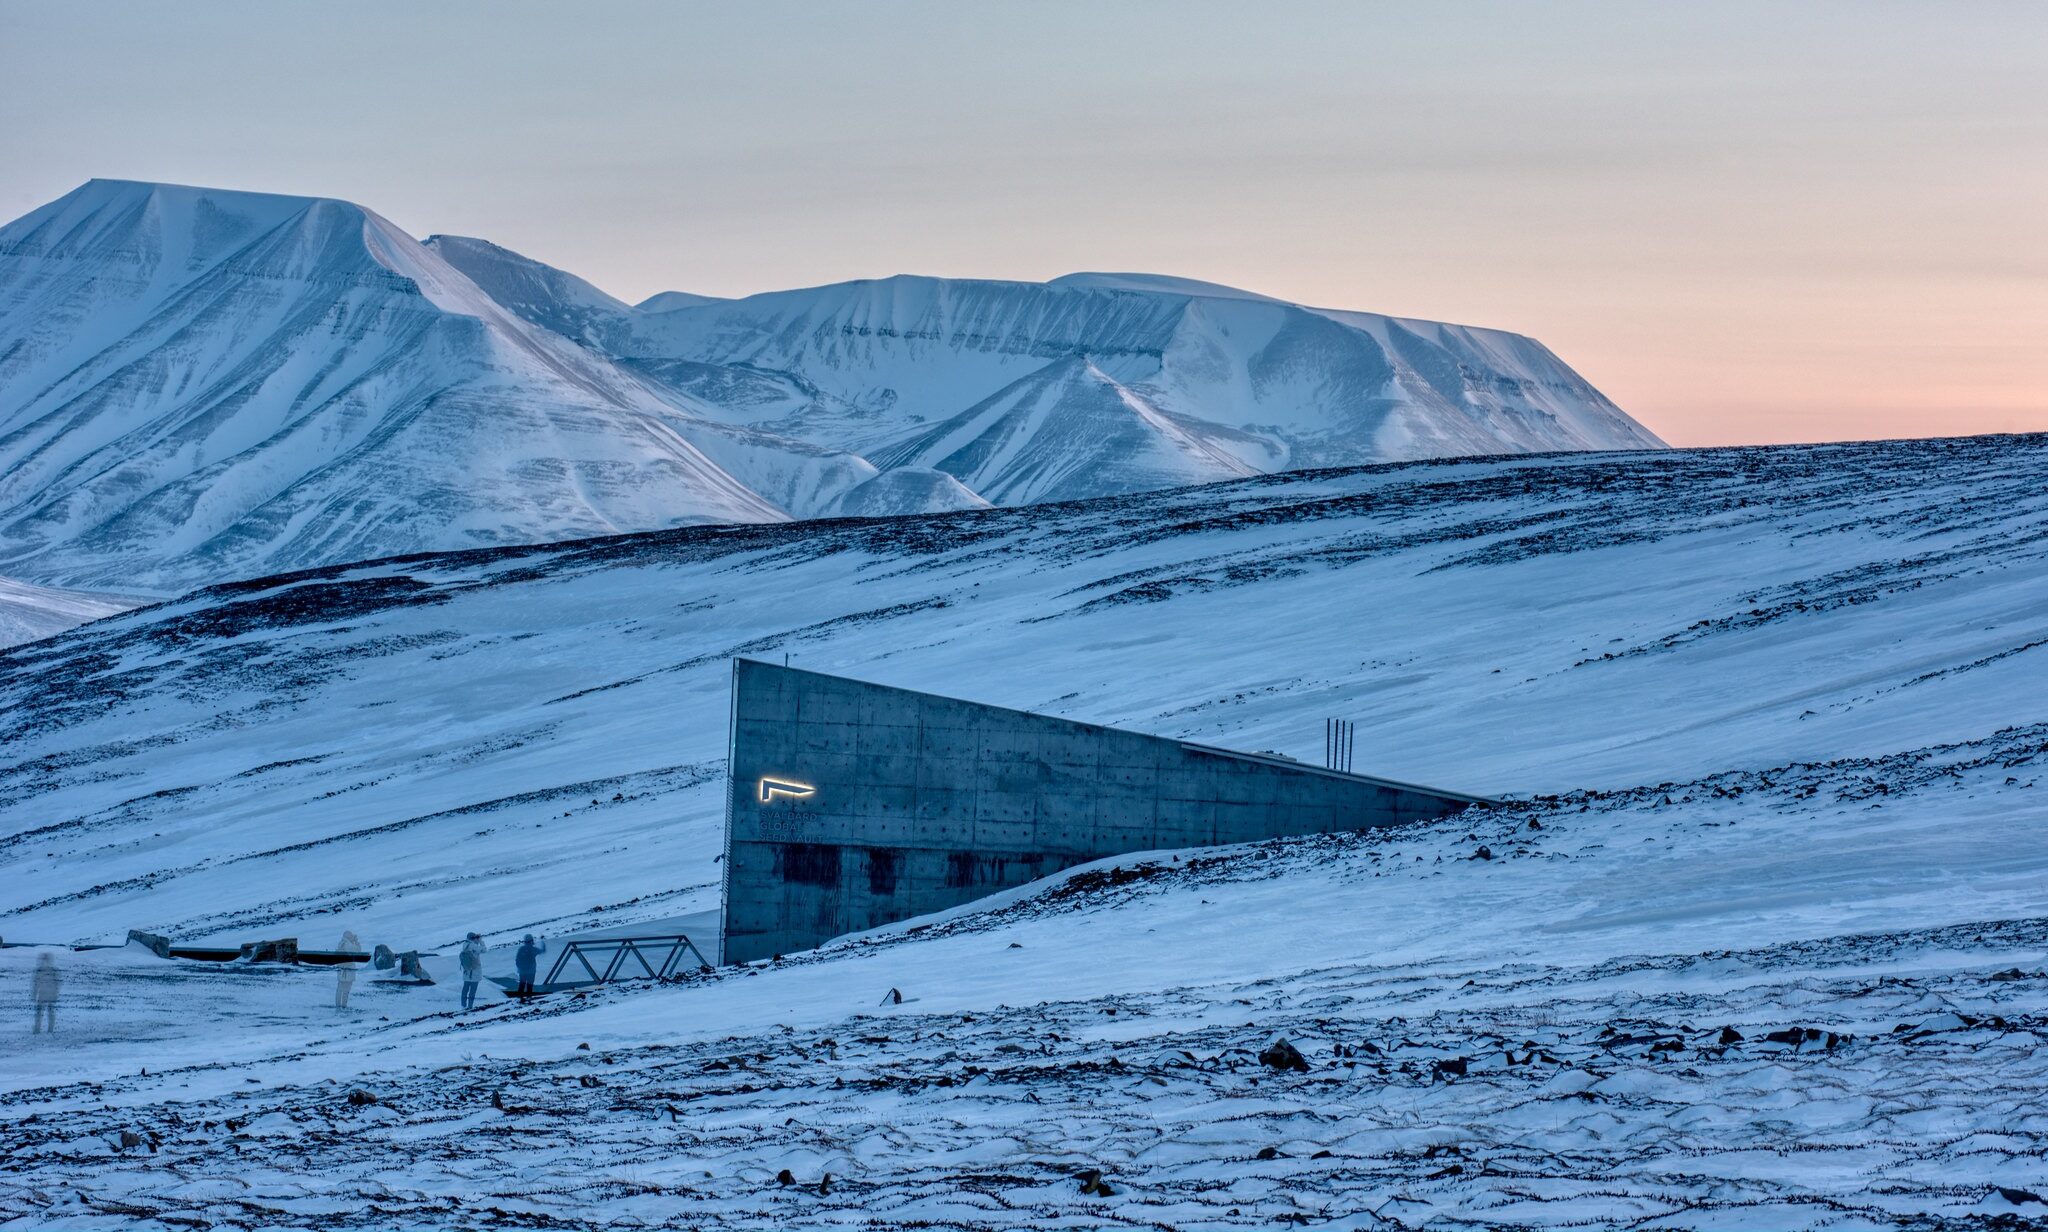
(472, 961)
(345, 973)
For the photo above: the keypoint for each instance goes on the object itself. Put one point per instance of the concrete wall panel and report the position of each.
(890, 803)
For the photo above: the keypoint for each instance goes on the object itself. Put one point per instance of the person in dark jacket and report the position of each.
(472, 961)
(527, 958)
(44, 988)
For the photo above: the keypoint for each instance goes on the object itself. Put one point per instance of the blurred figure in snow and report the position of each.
(472, 961)
(45, 988)
(345, 973)
(526, 959)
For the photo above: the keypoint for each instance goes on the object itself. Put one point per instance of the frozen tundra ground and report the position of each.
(1760, 940)
(1769, 999)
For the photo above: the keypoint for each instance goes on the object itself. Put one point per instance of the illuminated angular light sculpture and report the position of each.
(852, 805)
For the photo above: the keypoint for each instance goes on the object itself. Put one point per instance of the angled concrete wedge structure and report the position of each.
(853, 805)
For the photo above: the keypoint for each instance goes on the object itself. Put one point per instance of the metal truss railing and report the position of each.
(657, 957)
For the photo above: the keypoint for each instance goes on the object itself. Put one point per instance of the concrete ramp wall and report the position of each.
(853, 805)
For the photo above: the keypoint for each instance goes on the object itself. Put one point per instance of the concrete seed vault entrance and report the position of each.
(852, 805)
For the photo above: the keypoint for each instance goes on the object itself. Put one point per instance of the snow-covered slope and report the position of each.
(28, 612)
(1066, 432)
(197, 385)
(1770, 921)
(907, 490)
(862, 364)
(551, 298)
(663, 301)
(1728, 1003)
(270, 752)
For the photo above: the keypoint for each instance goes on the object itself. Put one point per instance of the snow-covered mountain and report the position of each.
(1766, 918)
(198, 385)
(874, 366)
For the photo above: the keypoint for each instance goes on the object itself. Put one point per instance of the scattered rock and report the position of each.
(785, 1177)
(1269, 1152)
(161, 946)
(1484, 853)
(2020, 1197)
(360, 1098)
(1949, 1021)
(498, 1102)
(382, 958)
(1799, 1037)
(894, 997)
(1729, 1035)
(1093, 1184)
(1282, 1055)
(1450, 1067)
(583, 1047)
(282, 950)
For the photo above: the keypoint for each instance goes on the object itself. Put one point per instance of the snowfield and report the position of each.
(1760, 939)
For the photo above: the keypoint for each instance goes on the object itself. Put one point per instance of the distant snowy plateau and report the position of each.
(200, 385)
(1758, 937)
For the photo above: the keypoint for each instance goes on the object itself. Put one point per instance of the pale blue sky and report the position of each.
(1746, 222)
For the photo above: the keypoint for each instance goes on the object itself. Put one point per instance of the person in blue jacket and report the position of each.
(526, 959)
(45, 989)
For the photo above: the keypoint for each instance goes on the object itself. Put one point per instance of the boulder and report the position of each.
(159, 946)
(283, 950)
(1282, 1055)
